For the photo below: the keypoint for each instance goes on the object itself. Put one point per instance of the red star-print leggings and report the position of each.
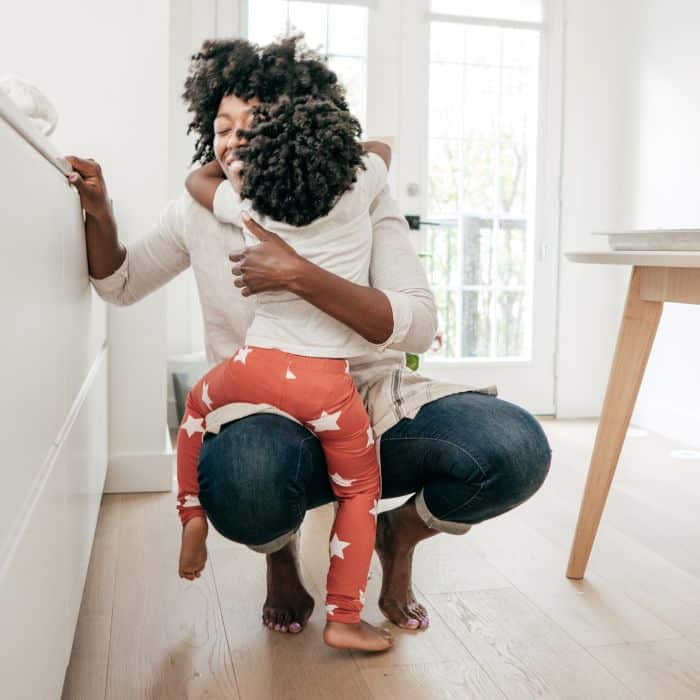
(320, 393)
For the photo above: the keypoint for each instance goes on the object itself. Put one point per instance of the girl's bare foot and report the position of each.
(359, 635)
(193, 548)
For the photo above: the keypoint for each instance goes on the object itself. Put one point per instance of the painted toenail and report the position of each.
(294, 627)
(425, 623)
(278, 627)
(413, 622)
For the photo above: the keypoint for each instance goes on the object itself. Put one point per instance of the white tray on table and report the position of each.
(654, 239)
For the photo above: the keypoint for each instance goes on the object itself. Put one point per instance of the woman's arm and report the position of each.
(364, 309)
(104, 251)
(121, 274)
(275, 265)
(396, 269)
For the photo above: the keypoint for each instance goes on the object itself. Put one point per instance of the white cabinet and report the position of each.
(84, 456)
(53, 417)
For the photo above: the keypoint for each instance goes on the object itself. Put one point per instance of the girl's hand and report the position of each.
(272, 265)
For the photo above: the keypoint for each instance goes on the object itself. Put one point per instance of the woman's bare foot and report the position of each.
(398, 532)
(193, 548)
(359, 635)
(288, 605)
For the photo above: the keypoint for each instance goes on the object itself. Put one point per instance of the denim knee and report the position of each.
(500, 448)
(521, 462)
(251, 478)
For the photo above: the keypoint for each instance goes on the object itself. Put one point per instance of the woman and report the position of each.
(461, 453)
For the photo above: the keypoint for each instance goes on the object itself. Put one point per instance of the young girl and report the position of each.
(300, 171)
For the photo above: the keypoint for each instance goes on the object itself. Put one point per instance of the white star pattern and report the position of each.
(205, 396)
(290, 374)
(362, 596)
(370, 437)
(337, 479)
(347, 367)
(327, 421)
(337, 546)
(188, 501)
(330, 609)
(373, 509)
(193, 425)
(242, 354)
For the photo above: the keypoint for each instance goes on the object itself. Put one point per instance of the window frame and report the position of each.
(244, 7)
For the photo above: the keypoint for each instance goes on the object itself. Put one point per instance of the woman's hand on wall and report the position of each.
(87, 178)
(271, 265)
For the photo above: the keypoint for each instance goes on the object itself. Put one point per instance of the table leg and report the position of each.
(634, 342)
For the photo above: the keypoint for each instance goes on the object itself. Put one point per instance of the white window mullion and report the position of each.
(461, 228)
(485, 21)
(372, 4)
(497, 204)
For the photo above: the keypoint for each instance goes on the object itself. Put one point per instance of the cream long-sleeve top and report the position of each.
(188, 235)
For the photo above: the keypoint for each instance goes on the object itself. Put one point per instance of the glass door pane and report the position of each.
(482, 134)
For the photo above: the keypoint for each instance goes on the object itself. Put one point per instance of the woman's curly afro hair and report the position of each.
(302, 150)
(236, 66)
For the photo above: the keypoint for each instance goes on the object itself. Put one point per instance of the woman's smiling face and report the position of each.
(234, 114)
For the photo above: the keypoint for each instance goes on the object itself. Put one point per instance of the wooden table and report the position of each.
(656, 277)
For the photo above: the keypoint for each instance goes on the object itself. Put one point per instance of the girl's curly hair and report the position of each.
(236, 66)
(300, 155)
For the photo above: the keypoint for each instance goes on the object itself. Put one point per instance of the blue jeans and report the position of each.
(468, 457)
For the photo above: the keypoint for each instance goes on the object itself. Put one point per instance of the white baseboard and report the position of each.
(140, 472)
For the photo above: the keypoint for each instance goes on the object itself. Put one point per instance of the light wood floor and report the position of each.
(506, 623)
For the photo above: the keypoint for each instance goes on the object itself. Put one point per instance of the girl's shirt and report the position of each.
(340, 242)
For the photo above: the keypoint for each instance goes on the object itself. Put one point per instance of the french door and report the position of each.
(468, 92)
(480, 157)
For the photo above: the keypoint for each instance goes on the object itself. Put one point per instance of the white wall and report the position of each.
(105, 67)
(662, 158)
(191, 22)
(631, 160)
(599, 53)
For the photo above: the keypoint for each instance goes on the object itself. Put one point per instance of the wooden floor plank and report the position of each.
(657, 585)
(624, 559)
(450, 564)
(655, 670)
(167, 636)
(435, 681)
(526, 654)
(86, 675)
(592, 611)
